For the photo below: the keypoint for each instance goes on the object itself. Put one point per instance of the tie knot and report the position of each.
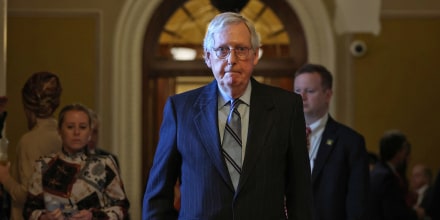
(235, 103)
(308, 131)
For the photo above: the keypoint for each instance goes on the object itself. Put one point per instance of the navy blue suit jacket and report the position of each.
(275, 166)
(340, 175)
(388, 196)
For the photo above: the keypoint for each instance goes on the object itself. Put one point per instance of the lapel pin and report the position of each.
(329, 142)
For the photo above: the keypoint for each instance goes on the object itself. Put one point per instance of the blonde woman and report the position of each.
(72, 183)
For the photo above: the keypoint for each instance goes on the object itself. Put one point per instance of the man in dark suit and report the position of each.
(388, 198)
(338, 157)
(421, 185)
(433, 208)
(274, 169)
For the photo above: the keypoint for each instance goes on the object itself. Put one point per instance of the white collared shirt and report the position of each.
(421, 193)
(317, 128)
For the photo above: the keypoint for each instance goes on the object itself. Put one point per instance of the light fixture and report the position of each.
(183, 53)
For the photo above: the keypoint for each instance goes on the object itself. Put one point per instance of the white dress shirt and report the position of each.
(317, 128)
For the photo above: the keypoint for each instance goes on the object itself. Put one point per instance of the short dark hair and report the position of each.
(326, 76)
(391, 143)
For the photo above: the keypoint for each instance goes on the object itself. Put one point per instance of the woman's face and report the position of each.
(75, 131)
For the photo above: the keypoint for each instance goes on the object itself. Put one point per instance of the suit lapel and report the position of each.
(328, 141)
(260, 122)
(206, 123)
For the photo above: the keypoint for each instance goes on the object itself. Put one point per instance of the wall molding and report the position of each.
(410, 14)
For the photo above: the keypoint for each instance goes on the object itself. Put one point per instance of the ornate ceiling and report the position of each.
(188, 24)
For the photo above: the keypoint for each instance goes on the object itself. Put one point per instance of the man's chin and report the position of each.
(232, 81)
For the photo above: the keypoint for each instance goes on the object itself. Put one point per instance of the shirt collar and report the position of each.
(246, 97)
(392, 167)
(319, 124)
(422, 189)
(80, 153)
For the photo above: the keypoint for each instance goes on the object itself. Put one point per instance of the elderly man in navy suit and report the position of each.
(338, 158)
(270, 175)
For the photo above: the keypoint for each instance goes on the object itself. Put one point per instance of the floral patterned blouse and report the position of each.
(76, 182)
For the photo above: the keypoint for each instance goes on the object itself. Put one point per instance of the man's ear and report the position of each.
(328, 94)
(207, 57)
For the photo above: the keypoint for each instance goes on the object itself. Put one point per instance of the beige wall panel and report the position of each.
(63, 45)
(397, 85)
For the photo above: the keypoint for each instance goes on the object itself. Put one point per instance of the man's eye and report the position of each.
(240, 49)
(223, 49)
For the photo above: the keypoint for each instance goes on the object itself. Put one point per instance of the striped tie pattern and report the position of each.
(232, 142)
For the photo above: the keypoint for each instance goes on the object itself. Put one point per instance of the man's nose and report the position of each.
(232, 57)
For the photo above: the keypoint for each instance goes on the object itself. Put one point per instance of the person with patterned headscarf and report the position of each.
(41, 97)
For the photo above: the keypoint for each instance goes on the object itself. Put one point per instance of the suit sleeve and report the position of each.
(394, 202)
(159, 194)
(299, 187)
(358, 180)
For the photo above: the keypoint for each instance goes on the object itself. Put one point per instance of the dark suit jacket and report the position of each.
(275, 163)
(433, 208)
(388, 196)
(427, 198)
(340, 175)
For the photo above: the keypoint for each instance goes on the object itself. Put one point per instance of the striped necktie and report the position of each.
(232, 142)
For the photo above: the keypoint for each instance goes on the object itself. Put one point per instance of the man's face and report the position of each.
(316, 99)
(402, 156)
(418, 177)
(233, 72)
